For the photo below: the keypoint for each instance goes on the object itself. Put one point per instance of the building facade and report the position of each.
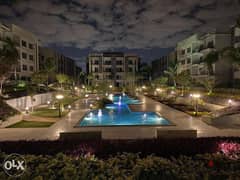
(192, 50)
(112, 67)
(63, 64)
(27, 46)
(236, 44)
(160, 65)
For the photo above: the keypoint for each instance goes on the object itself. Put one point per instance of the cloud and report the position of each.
(116, 24)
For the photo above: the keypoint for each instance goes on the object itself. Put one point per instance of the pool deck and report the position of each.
(181, 120)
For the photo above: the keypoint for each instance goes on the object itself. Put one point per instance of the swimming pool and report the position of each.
(119, 114)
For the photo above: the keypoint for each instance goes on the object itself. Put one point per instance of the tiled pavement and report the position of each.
(80, 107)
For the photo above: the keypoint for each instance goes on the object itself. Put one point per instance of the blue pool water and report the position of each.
(119, 114)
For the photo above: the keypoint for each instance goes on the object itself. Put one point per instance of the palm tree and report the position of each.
(62, 78)
(8, 60)
(172, 73)
(210, 59)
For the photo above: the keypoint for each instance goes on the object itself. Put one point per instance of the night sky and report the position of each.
(149, 28)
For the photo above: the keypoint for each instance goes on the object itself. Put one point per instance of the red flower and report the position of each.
(210, 164)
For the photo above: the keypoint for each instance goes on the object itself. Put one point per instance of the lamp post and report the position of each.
(196, 97)
(59, 97)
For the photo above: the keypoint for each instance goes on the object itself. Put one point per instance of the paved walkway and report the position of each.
(80, 107)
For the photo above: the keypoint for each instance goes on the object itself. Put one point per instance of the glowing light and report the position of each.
(196, 95)
(144, 116)
(26, 108)
(91, 114)
(110, 86)
(86, 95)
(99, 113)
(59, 96)
(230, 102)
(69, 106)
(106, 94)
(76, 88)
(144, 87)
(110, 96)
(48, 102)
(158, 90)
(190, 95)
(98, 98)
(91, 105)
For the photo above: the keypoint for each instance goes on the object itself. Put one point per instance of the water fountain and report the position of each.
(99, 113)
(91, 114)
(144, 116)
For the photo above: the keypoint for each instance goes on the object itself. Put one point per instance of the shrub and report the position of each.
(128, 166)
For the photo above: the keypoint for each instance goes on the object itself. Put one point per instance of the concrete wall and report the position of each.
(23, 102)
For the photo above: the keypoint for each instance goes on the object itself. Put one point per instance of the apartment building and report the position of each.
(113, 67)
(236, 44)
(64, 65)
(27, 46)
(192, 50)
(160, 65)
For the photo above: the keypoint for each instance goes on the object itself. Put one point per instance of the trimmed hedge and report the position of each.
(128, 166)
(104, 148)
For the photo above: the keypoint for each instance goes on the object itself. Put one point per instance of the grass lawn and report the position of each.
(46, 112)
(31, 124)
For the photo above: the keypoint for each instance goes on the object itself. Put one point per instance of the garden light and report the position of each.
(196, 95)
(86, 95)
(59, 96)
(230, 102)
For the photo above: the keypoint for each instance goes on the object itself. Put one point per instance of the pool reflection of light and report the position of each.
(99, 113)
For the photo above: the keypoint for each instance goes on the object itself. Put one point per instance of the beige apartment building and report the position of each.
(112, 67)
(236, 44)
(27, 46)
(192, 50)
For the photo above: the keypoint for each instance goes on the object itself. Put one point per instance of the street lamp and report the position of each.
(59, 97)
(196, 97)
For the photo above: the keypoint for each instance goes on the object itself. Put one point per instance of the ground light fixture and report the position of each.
(230, 102)
(196, 97)
(59, 97)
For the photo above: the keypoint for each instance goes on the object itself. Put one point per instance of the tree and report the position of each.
(210, 59)
(209, 83)
(184, 80)
(82, 77)
(8, 60)
(39, 78)
(131, 80)
(62, 78)
(49, 68)
(145, 71)
(161, 81)
(172, 73)
(90, 78)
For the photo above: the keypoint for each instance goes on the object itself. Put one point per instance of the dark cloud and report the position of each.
(132, 25)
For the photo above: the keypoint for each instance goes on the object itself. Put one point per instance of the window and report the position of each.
(24, 55)
(95, 69)
(97, 77)
(210, 44)
(24, 43)
(189, 50)
(107, 62)
(130, 69)
(96, 62)
(188, 60)
(119, 70)
(119, 62)
(24, 67)
(31, 68)
(183, 52)
(31, 57)
(107, 69)
(130, 62)
(30, 46)
(183, 62)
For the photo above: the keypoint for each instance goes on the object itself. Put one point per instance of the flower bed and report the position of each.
(105, 148)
